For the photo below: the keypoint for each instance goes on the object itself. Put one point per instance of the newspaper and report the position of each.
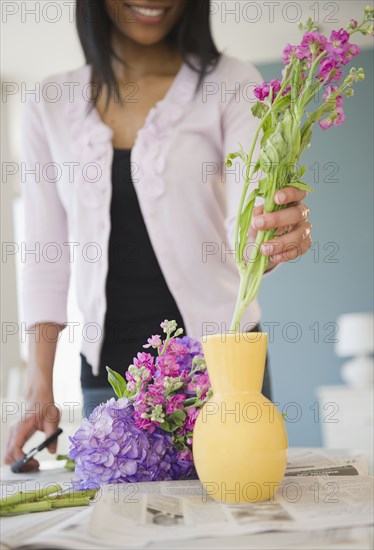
(309, 462)
(328, 498)
(301, 503)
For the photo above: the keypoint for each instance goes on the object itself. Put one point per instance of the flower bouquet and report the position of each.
(288, 108)
(145, 434)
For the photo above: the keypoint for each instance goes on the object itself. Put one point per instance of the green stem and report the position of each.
(67, 503)
(29, 496)
(247, 180)
(26, 507)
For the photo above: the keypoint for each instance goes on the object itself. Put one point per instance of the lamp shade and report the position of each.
(355, 336)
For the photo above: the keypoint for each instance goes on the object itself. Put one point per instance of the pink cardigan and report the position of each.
(187, 197)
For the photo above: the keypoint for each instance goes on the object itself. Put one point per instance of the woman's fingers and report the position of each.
(252, 233)
(18, 436)
(290, 246)
(294, 238)
(289, 194)
(289, 216)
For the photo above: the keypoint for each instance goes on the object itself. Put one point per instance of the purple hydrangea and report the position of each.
(109, 448)
(193, 348)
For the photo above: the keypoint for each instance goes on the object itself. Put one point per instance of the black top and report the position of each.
(138, 298)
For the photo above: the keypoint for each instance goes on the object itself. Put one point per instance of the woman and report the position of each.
(143, 208)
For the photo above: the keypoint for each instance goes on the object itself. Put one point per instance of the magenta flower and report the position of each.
(168, 365)
(175, 402)
(338, 41)
(263, 90)
(329, 70)
(350, 51)
(177, 348)
(199, 385)
(337, 117)
(288, 53)
(144, 360)
(275, 85)
(192, 414)
(312, 44)
(185, 455)
(153, 342)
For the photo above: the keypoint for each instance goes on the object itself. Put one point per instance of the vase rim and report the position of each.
(253, 336)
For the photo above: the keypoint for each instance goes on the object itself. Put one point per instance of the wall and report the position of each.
(337, 275)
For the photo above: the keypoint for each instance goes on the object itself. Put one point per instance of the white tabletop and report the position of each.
(17, 530)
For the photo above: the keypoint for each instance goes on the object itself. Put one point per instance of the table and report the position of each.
(18, 530)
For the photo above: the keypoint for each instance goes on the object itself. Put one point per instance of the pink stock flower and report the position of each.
(275, 85)
(349, 53)
(340, 48)
(338, 41)
(200, 384)
(145, 360)
(288, 53)
(185, 455)
(192, 413)
(176, 348)
(175, 402)
(168, 365)
(153, 341)
(145, 363)
(312, 44)
(144, 424)
(337, 117)
(263, 90)
(329, 70)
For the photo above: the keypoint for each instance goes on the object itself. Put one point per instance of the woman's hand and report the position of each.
(293, 237)
(40, 414)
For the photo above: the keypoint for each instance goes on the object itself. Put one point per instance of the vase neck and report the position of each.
(236, 362)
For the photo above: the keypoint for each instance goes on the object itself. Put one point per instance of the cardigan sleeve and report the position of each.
(238, 127)
(46, 266)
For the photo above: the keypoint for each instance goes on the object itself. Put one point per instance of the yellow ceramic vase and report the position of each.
(239, 439)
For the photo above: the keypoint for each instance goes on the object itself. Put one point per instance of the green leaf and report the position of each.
(167, 427)
(238, 154)
(267, 134)
(281, 105)
(259, 109)
(301, 171)
(178, 416)
(301, 185)
(306, 137)
(230, 158)
(118, 383)
(264, 186)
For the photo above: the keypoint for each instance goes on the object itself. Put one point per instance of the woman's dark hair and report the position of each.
(191, 36)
